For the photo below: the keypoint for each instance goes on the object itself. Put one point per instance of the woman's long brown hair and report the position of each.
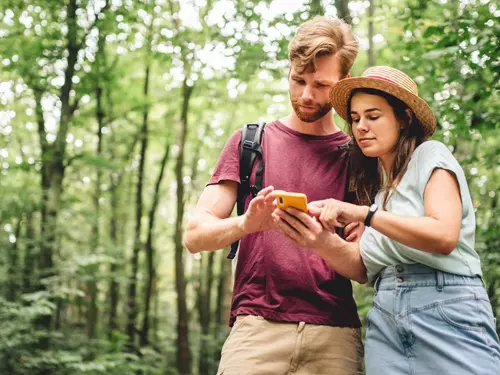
(367, 171)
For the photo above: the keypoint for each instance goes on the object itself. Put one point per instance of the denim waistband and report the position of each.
(419, 275)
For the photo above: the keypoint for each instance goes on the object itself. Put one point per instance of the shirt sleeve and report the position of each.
(228, 165)
(432, 155)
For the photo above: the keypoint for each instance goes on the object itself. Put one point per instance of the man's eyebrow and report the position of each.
(324, 82)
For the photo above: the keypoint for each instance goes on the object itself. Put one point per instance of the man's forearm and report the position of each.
(208, 233)
(345, 258)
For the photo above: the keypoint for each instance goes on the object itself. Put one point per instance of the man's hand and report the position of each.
(258, 215)
(303, 230)
(354, 231)
(308, 233)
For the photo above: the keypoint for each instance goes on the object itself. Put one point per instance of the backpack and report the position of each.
(251, 137)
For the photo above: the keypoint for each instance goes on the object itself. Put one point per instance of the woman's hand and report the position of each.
(303, 230)
(332, 213)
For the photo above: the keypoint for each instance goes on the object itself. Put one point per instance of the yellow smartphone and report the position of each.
(284, 199)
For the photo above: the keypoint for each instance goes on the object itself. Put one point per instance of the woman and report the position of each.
(431, 312)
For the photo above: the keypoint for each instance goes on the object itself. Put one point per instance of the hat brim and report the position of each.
(339, 95)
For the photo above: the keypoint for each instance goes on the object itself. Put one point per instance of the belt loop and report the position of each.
(440, 280)
(482, 281)
(376, 284)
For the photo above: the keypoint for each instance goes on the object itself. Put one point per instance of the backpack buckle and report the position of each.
(347, 146)
(254, 190)
(248, 144)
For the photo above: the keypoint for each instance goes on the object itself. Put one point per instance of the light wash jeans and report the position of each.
(426, 321)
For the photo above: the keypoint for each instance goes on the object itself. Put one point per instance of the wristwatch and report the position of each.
(373, 208)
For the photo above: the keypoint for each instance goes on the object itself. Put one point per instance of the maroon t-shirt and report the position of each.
(274, 278)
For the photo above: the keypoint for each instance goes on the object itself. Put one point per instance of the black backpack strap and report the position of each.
(349, 186)
(250, 149)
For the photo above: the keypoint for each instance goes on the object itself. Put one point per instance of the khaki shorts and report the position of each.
(256, 346)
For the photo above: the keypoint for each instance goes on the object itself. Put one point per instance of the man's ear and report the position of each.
(348, 75)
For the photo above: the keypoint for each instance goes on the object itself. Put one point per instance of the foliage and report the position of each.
(233, 55)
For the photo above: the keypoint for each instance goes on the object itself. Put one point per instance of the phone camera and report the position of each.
(280, 199)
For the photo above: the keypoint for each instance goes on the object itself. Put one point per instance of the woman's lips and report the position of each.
(365, 141)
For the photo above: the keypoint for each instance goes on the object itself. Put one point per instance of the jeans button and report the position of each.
(399, 268)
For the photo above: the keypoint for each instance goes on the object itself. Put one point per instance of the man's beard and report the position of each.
(310, 116)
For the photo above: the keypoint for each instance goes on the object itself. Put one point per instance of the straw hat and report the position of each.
(391, 81)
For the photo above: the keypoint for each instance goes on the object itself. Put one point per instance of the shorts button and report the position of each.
(399, 268)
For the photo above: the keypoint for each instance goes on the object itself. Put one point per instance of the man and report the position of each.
(290, 313)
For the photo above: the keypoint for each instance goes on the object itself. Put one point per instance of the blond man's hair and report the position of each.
(323, 36)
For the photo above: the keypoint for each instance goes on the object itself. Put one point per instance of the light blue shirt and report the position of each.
(407, 199)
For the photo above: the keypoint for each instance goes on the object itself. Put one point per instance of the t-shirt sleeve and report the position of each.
(370, 252)
(432, 155)
(228, 165)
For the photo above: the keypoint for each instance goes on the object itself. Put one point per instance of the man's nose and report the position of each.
(307, 94)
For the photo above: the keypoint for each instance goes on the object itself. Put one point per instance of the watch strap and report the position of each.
(371, 211)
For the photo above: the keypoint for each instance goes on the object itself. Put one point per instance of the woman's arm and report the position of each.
(437, 232)
(306, 232)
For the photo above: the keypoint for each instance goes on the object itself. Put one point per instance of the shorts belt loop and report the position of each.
(440, 280)
(376, 284)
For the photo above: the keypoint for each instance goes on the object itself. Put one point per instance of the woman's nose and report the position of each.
(361, 126)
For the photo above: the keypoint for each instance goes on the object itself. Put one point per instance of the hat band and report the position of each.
(383, 79)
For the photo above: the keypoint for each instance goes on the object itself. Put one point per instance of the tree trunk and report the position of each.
(156, 308)
(100, 69)
(115, 180)
(371, 32)
(53, 156)
(343, 10)
(113, 287)
(150, 249)
(13, 264)
(116, 265)
(224, 285)
(132, 302)
(94, 236)
(29, 255)
(205, 307)
(183, 354)
(223, 299)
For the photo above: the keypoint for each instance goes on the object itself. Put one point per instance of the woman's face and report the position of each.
(374, 126)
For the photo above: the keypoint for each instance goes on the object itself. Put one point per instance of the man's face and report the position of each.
(309, 92)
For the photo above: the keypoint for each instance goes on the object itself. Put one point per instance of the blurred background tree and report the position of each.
(112, 116)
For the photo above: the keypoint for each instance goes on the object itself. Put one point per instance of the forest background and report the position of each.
(112, 116)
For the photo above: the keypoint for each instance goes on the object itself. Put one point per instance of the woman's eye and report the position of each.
(355, 120)
(374, 118)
